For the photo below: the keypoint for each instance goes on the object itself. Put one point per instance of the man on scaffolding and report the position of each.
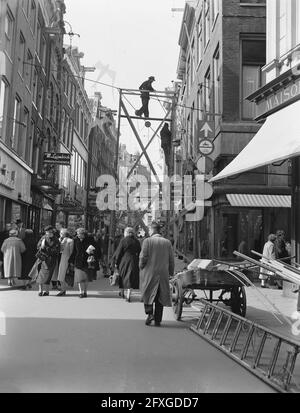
(145, 88)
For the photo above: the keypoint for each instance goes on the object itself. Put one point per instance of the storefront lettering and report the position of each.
(282, 97)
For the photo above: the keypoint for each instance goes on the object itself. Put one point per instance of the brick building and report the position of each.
(223, 48)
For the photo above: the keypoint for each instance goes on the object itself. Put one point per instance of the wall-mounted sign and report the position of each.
(206, 147)
(57, 158)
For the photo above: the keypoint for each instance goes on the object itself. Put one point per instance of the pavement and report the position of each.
(101, 345)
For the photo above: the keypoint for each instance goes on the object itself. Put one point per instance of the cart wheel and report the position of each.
(239, 301)
(177, 299)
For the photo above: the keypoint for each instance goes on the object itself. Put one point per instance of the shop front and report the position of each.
(15, 183)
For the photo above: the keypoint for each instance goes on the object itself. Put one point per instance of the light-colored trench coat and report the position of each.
(156, 265)
(269, 253)
(12, 249)
(67, 247)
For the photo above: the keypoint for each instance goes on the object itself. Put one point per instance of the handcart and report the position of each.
(228, 279)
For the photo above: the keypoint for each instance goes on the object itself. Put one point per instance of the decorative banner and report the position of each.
(57, 158)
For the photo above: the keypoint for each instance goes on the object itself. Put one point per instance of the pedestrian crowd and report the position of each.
(66, 261)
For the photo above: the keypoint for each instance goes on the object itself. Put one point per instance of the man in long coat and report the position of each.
(156, 265)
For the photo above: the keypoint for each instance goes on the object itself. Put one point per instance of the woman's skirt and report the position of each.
(80, 276)
(45, 273)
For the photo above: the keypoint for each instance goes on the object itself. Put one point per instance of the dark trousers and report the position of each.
(145, 108)
(158, 311)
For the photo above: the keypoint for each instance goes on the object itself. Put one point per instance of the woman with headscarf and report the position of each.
(127, 262)
(28, 257)
(12, 249)
(48, 253)
(66, 249)
(80, 261)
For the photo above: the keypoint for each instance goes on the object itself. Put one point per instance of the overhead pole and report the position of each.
(113, 213)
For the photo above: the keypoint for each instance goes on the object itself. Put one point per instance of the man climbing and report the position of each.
(146, 87)
(166, 143)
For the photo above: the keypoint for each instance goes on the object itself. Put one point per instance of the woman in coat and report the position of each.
(127, 262)
(80, 261)
(268, 254)
(12, 249)
(28, 257)
(66, 248)
(48, 253)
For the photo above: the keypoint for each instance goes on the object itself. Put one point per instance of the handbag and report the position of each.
(114, 279)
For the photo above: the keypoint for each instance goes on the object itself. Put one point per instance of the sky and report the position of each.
(135, 39)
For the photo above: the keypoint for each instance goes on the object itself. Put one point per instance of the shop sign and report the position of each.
(57, 158)
(278, 99)
(8, 179)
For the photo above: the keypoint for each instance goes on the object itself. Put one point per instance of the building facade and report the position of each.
(102, 160)
(223, 49)
(27, 30)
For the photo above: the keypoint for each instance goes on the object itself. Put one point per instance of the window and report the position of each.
(22, 55)
(33, 16)
(206, 21)
(29, 146)
(282, 24)
(42, 51)
(22, 143)
(253, 59)
(63, 123)
(4, 92)
(200, 104)
(16, 123)
(70, 134)
(217, 85)
(8, 30)
(66, 130)
(41, 98)
(28, 70)
(207, 92)
(38, 38)
(200, 38)
(35, 87)
(214, 9)
(56, 118)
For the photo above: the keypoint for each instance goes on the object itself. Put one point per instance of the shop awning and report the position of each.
(259, 201)
(277, 140)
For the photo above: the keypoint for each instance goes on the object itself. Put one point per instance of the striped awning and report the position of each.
(259, 201)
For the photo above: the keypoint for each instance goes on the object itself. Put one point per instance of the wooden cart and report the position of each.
(226, 279)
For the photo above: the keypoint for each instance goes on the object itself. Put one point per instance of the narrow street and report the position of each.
(101, 344)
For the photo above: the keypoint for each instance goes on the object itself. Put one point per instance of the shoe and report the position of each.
(121, 294)
(61, 294)
(157, 324)
(137, 113)
(128, 299)
(46, 294)
(83, 295)
(40, 294)
(149, 320)
(263, 286)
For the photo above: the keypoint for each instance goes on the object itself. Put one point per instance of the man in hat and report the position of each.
(145, 88)
(156, 265)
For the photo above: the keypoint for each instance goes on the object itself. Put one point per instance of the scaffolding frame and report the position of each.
(123, 113)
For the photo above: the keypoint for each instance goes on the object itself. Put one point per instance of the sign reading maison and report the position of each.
(278, 99)
(57, 158)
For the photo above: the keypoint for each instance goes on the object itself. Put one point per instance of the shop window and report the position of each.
(238, 230)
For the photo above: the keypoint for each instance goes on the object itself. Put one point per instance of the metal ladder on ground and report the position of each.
(265, 353)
